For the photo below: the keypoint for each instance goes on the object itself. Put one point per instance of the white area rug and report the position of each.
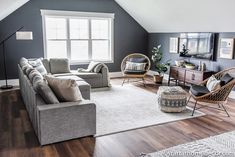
(123, 108)
(218, 146)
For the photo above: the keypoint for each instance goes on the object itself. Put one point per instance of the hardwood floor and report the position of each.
(17, 138)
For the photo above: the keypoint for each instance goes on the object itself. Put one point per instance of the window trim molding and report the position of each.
(71, 14)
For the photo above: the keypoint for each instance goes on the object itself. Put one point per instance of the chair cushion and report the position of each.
(213, 84)
(59, 65)
(226, 79)
(138, 60)
(135, 66)
(137, 72)
(199, 90)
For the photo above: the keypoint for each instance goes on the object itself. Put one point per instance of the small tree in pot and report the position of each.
(161, 68)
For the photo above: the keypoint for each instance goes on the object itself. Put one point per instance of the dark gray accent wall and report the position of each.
(163, 39)
(129, 36)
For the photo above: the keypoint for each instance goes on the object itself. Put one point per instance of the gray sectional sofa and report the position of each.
(65, 120)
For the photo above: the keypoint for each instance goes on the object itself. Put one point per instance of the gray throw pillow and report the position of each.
(28, 70)
(34, 73)
(59, 65)
(46, 93)
(66, 90)
(25, 67)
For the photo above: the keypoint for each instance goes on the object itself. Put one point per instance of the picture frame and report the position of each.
(226, 48)
(174, 45)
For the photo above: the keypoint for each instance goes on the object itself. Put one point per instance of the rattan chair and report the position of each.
(135, 75)
(219, 96)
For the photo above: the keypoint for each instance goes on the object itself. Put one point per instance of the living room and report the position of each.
(116, 78)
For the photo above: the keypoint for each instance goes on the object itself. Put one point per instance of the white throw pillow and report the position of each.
(66, 90)
(213, 84)
(37, 64)
(91, 66)
(135, 66)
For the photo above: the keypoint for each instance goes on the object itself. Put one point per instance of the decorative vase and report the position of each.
(158, 79)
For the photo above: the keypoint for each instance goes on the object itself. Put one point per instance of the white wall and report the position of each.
(182, 15)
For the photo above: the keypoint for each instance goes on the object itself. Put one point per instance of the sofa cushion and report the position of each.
(138, 60)
(37, 64)
(199, 90)
(213, 84)
(59, 65)
(63, 74)
(138, 72)
(73, 77)
(225, 79)
(88, 75)
(46, 64)
(46, 93)
(66, 90)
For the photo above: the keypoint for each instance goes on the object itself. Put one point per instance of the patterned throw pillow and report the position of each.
(213, 84)
(37, 64)
(135, 66)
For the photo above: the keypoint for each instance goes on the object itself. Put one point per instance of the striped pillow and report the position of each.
(135, 66)
(213, 83)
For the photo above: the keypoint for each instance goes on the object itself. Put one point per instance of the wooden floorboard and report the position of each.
(17, 137)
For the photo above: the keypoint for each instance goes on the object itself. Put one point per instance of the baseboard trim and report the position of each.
(115, 74)
(14, 82)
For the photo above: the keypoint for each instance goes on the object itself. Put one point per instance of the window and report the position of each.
(79, 36)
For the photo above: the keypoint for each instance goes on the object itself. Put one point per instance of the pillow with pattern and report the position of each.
(135, 66)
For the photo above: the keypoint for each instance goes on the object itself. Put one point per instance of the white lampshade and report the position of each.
(24, 35)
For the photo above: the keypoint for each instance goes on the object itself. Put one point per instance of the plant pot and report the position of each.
(158, 79)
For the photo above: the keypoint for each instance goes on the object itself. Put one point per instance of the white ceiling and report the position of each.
(9, 6)
(182, 15)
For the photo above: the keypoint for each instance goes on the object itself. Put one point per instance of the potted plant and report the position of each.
(161, 68)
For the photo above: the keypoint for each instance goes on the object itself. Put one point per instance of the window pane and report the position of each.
(100, 50)
(100, 29)
(79, 29)
(79, 50)
(56, 49)
(56, 28)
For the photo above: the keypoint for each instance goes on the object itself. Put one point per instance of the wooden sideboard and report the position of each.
(180, 74)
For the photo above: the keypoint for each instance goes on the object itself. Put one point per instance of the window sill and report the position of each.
(88, 62)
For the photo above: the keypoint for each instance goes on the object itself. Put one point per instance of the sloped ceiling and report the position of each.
(9, 6)
(182, 15)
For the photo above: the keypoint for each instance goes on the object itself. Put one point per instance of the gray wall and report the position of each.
(163, 39)
(129, 36)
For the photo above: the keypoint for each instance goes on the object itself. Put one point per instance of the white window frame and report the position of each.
(75, 14)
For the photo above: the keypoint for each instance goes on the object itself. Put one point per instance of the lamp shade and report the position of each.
(24, 35)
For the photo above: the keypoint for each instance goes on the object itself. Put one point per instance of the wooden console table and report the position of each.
(180, 74)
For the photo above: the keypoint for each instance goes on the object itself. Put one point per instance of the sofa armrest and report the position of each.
(105, 76)
(65, 121)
